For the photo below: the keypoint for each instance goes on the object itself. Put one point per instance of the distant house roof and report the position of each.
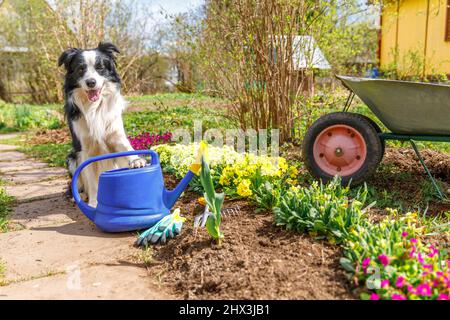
(307, 54)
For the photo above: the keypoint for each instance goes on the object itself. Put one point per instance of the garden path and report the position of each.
(53, 252)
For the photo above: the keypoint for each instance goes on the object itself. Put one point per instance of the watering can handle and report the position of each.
(74, 187)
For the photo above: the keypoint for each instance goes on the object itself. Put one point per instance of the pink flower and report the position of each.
(374, 296)
(411, 289)
(423, 289)
(443, 296)
(420, 258)
(404, 234)
(433, 251)
(365, 263)
(383, 259)
(428, 266)
(398, 297)
(413, 240)
(385, 283)
(400, 282)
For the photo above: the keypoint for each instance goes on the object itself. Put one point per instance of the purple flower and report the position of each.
(423, 289)
(400, 282)
(404, 234)
(365, 263)
(413, 240)
(374, 296)
(383, 259)
(398, 297)
(385, 283)
(428, 266)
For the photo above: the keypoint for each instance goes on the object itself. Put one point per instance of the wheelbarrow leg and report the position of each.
(433, 181)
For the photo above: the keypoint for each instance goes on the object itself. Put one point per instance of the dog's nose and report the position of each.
(91, 83)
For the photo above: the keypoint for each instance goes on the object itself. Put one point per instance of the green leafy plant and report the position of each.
(214, 201)
(322, 210)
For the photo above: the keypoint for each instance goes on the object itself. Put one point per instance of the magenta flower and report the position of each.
(428, 266)
(411, 289)
(413, 240)
(146, 140)
(400, 282)
(365, 263)
(385, 283)
(420, 258)
(374, 296)
(423, 289)
(433, 251)
(443, 296)
(383, 259)
(398, 297)
(404, 234)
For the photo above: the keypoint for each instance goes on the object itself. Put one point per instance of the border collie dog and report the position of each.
(93, 109)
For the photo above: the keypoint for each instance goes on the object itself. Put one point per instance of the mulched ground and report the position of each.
(256, 260)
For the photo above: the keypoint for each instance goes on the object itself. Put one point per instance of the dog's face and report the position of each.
(89, 70)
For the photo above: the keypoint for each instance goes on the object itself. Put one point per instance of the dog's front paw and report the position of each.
(137, 163)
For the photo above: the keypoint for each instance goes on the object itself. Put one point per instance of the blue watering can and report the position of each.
(129, 199)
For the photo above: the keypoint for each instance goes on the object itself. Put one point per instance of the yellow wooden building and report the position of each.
(415, 37)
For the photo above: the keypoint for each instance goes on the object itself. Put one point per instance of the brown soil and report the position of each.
(401, 172)
(50, 136)
(256, 260)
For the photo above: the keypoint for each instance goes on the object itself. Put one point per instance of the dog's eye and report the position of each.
(81, 69)
(98, 67)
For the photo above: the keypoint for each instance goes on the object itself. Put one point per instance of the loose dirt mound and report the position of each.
(404, 159)
(50, 136)
(256, 260)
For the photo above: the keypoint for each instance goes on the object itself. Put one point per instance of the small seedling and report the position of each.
(214, 202)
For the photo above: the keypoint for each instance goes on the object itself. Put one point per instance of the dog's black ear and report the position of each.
(67, 56)
(108, 48)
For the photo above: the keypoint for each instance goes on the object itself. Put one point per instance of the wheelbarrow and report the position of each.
(352, 145)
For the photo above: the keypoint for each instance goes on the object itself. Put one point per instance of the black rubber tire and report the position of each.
(361, 124)
(377, 127)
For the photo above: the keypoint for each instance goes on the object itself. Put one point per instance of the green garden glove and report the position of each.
(168, 227)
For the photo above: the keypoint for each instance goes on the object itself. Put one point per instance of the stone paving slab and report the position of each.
(5, 136)
(45, 213)
(94, 282)
(7, 147)
(38, 190)
(12, 166)
(12, 156)
(35, 175)
(41, 250)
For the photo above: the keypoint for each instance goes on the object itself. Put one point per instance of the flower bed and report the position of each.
(388, 257)
(146, 140)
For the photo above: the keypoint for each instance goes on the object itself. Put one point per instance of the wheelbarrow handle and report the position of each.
(74, 187)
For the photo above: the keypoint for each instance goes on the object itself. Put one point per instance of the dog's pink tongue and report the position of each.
(93, 95)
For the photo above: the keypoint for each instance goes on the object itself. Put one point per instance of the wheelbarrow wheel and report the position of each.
(377, 127)
(344, 144)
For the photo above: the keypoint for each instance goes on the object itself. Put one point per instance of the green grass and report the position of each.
(5, 208)
(172, 118)
(22, 117)
(169, 97)
(53, 153)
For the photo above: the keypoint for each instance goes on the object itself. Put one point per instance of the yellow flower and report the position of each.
(293, 172)
(201, 201)
(243, 189)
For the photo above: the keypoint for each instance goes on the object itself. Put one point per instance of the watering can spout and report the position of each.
(171, 196)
